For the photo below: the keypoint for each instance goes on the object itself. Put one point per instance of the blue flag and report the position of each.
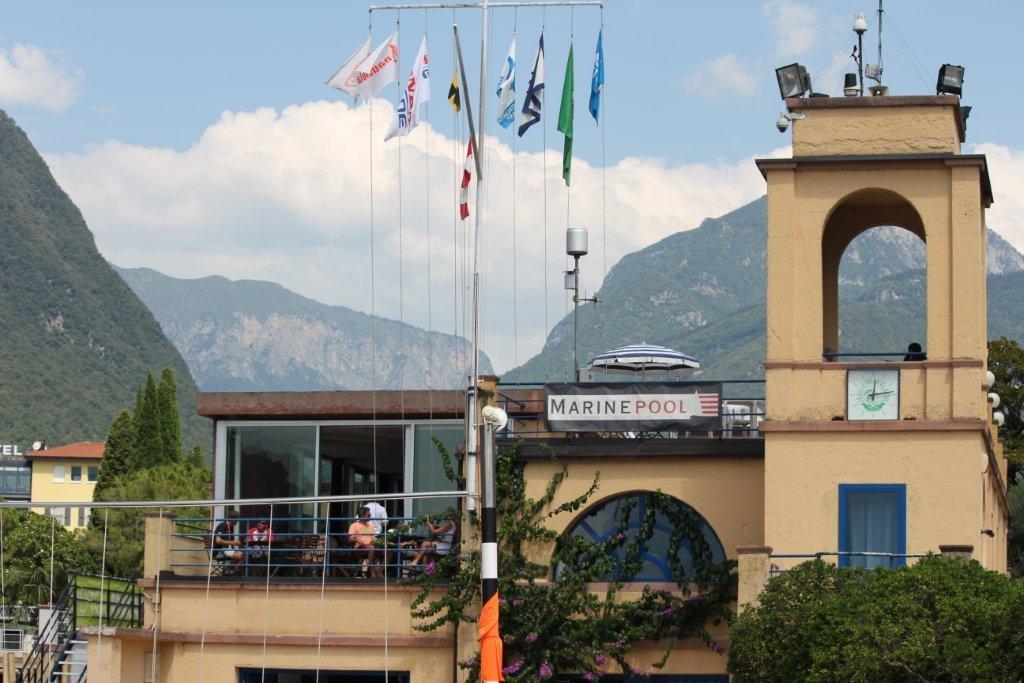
(507, 89)
(534, 97)
(597, 80)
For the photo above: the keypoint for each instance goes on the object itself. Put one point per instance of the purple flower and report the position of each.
(531, 638)
(621, 536)
(714, 645)
(545, 671)
(669, 611)
(468, 662)
(590, 676)
(513, 668)
(430, 568)
(601, 659)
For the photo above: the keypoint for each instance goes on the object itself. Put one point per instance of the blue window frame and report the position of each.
(601, 521)
(872, 518)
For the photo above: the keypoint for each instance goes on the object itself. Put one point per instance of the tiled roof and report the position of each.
(92, 450)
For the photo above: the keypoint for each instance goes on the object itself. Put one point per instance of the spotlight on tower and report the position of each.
(794, 81)
(951, 80)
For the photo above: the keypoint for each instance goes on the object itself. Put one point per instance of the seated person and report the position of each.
(443, 537)
(360, 535)
(258, 539)
(227, 547)
(914, 353)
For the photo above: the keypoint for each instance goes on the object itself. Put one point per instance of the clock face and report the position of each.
(873, 394)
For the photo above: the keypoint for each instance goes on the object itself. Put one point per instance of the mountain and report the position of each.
(76, 341)
(248, 335)
(702, 291)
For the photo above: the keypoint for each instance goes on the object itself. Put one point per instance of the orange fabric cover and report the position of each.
(490, 642)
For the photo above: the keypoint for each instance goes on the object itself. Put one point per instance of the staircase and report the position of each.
(60, 652)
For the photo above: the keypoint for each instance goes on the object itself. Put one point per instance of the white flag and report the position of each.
(378, 69)
(417, 92)
(344, 79)
(507, 89)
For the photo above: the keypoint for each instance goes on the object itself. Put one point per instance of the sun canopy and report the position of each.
(642, 359)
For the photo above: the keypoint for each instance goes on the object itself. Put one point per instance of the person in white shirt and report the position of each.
(378, 516)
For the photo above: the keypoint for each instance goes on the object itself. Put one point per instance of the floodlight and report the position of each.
(951, 80)
(793, 80)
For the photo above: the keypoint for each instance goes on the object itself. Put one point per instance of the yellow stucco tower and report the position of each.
(891, 456)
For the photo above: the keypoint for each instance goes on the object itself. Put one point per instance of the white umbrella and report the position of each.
(643, 358)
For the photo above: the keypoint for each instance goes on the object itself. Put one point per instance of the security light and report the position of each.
(793, 79)
(951, 80)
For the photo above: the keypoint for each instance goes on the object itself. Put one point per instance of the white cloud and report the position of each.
(794, 26)
(284, 196)
(31, 76)
(1006, 168)
(726, 76)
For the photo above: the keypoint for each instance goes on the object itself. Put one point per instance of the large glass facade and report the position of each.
(15, 480)
(288, 460)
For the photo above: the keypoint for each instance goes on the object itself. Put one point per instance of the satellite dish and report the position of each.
(38, 445)
(495, 417)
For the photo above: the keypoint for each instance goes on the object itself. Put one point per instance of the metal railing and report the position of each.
(897, 355)
(306, 547)
(866, 559)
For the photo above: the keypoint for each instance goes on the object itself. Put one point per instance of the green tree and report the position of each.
(118, 454)
(170, 421)
(566, 626)
(195, 457)
(26, 554)
(1015, 534)
(125, 528)
(939, 619)
(1006, 361)
(149, 444)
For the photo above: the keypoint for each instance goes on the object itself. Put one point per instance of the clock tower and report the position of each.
(893, 455)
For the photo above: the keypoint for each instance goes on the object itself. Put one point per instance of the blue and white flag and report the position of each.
(597, 80)
(534, 97)
(507, 89)
(417, 93)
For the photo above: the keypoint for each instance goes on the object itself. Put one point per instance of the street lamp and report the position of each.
(576, 246)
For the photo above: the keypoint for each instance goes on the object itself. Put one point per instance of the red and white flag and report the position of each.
(467, 174)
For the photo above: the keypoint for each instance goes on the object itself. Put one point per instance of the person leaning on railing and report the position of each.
(360, 535)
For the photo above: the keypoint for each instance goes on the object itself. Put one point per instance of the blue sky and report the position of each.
(199, 138)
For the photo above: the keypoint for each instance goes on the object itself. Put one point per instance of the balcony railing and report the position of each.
(307, 548)
(851, 559)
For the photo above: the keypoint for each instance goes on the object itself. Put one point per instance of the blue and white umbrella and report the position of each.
(642, 359)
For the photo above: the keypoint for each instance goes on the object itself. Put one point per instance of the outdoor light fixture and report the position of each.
(850, 87)
(993, 398)
(999, 418)
(951, 80)
(576, 246)
(782, 123)
(793, 79)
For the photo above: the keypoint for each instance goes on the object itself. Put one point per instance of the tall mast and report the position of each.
(880, 42)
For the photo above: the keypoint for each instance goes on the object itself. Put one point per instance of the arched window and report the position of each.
(602, 521)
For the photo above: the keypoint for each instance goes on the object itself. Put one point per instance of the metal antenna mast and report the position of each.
(880, 42)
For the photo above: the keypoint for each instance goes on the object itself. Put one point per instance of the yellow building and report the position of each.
(66, 474)
(863, 462)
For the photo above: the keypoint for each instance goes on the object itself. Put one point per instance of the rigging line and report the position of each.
(547, 259)
(53, 533)
(838, 54)
(373, 277)
(916, 66)
(157, 604)
(402, 356)
(323, 586)
(266, 596)
(209, 575)
(103, 575)
(515, 261)
(430, 327)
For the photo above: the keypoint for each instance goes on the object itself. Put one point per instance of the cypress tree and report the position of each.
(170, 423)
(195, 457)
(117, 454)
(149, 444)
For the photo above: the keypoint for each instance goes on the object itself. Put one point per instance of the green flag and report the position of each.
(565, 115)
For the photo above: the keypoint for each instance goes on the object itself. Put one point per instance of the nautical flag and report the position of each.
(344, 78)
(467, 174)
(417, 92)
(534, 97)
(378, 68)
(507, 89)
(565, 114)
(453, 93)
(597, 80)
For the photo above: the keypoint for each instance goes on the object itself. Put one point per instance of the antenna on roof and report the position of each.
(874, 71)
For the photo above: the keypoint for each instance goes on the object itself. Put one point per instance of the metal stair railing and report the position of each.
(51, 640)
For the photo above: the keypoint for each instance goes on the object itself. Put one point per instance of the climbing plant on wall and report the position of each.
(588, 620)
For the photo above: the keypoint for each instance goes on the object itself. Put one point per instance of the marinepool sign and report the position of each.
(632, 406)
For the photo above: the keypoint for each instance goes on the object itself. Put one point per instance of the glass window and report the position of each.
(872, 519)
(76, 473)
(428, 466)
(271, 462)
(362, 459)
(83, 516)
(94, 474)
(58, 474)
(601, 521)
